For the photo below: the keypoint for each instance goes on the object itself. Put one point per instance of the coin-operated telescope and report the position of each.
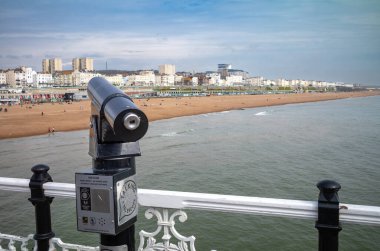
(107, 194)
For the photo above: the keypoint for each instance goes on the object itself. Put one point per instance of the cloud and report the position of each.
(132, 47)
(12, 56)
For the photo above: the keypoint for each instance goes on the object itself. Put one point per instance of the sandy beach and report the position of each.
(28, 120)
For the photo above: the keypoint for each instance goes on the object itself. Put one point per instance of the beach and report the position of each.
(37, 119)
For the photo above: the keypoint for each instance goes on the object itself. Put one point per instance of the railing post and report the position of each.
(328, 215)
(41, 204)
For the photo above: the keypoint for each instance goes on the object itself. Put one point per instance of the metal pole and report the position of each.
(328, 215)
(124, 241)
(41, 204)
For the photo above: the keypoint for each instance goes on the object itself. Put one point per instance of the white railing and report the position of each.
(157, 200)
(13, 241)
(216, 202)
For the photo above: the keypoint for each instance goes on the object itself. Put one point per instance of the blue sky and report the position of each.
(332, 40)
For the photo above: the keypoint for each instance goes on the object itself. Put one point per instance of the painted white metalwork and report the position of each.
(14, 240)
(228, 203)
(14, 184)
(60, 189)
(57, 242)
(165, 223)
(24, 242)
(358, 214)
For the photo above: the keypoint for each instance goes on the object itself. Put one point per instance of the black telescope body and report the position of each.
(117, 119)
(107, 194)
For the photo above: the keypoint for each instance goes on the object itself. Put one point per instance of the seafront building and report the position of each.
(166, 76)
(167, 69)
(19, 77)
(76, 64)
(80, 78)
(55, 65)
(51, 65)
(143, 78)
(83, 64)
(42, 78)
(3, 77)
(45, 66)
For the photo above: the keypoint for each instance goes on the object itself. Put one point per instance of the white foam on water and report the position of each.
(262, 113)
(169, 134)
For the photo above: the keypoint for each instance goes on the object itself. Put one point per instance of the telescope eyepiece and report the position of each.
(117, 118)
(131, 121)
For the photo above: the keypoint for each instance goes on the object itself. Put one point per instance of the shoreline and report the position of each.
(31, 120)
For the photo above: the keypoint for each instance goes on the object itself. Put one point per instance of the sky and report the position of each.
(327, 40)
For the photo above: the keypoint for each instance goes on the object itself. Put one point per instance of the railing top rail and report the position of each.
(360, 214)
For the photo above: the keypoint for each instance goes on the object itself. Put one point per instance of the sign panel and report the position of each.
(95, 204)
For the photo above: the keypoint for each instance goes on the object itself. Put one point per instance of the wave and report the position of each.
(172, 134)
(169, 134)
(262, 113)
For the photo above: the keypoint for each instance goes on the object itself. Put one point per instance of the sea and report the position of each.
(277, 152)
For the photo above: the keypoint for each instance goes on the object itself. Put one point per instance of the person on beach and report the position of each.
(51, 130)
(42, 113)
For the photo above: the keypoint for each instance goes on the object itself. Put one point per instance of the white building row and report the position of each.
(148, 78)
(293, 83)
(25, 76)
(18, 77)
(76, 78)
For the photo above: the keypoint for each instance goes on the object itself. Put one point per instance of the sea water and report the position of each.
(277, 152)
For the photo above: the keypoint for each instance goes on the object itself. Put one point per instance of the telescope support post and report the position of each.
(107, 195)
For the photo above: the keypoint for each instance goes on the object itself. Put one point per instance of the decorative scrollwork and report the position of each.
(167, 224)
(13, 240)
(67, 246)
(25, 241)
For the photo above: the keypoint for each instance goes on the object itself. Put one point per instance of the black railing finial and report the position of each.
(328, 223)
(41, 204)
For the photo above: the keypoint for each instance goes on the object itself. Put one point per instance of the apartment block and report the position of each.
(233, 80)
(144, 78)
(115, 79)
(167, 69)
(76, 64)
(45, 66)
(3, 77)
(55, 65)
(87, 64)
(20, 77)
(42, 78)
(82, 78)
(83, 64)
(51, 65)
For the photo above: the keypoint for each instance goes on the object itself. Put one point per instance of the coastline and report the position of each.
(30, 120)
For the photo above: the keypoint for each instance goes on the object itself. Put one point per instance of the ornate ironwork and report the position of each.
(12, 242)
(165, 223)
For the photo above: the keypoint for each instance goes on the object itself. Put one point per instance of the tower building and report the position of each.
(45, 66)
(167, 69)
(51, 65)
(83, 64)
